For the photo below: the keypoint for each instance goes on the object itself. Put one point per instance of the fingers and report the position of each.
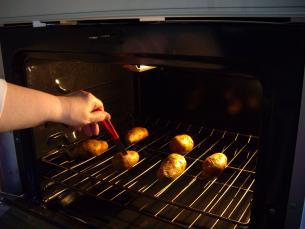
(78, 128)
(95, 129)
(87, 110)
(91, 129)
(87, 130)
(108, 116)
(98, 116)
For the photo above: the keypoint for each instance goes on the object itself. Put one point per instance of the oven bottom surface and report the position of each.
(93, 192)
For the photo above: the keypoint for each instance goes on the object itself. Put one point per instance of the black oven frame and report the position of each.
(272, 51)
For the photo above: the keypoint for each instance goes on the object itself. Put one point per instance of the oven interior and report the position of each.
(223, 83)
(220, 110)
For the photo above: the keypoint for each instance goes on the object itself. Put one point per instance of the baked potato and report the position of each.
(213, 165)
(181, 144)
(95, 147)
(90, 147)
(171, 167)
(122, 160)
(136, 134)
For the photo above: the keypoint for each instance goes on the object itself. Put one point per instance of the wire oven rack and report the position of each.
(188, 201)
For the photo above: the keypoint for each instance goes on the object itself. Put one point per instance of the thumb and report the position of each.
(98, 116)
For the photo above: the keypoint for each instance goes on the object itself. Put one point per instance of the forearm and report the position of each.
(26, 107)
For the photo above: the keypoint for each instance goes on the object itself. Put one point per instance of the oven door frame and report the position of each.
(295, 217)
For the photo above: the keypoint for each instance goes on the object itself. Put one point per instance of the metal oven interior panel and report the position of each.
(188, 201)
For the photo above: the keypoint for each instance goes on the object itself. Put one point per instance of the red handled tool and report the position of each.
(114, 135)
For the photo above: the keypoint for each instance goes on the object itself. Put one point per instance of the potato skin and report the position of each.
(122, 161)
(136, 134)
(171, 167)
(213, 165)
(95, 147)
(181, 144)
(90, 147)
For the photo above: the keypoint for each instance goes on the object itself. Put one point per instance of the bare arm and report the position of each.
(24, 108)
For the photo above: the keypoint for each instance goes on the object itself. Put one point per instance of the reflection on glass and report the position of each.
(138, 68)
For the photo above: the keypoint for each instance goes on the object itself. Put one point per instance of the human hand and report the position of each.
(83, 111)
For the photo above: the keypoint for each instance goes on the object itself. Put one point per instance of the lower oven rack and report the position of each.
(188, 201)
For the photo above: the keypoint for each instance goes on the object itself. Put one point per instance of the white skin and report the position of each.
(25, 108)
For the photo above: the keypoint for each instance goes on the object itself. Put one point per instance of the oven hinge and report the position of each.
(152, 19)
(38, 24)
(297, 19)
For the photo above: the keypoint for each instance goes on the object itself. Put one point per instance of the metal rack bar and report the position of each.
(102, 162)
(198, 158)
(63, 149)
(242, 215)
(103, 199)
(245, 170)
(91, 173)
(179, 194)
(240, 200)
(149, 196)
(195, 178)
(226, 190)
(207, 189)
(120, 174)
(235, 178)
(188, 168)
(86, 161)
(142, 159)
(140, 175)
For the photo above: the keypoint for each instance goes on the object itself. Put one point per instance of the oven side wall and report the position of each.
(15, 11)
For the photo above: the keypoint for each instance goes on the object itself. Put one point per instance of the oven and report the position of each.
(234, 86)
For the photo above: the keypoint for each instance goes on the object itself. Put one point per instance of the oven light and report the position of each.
(138, 68)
